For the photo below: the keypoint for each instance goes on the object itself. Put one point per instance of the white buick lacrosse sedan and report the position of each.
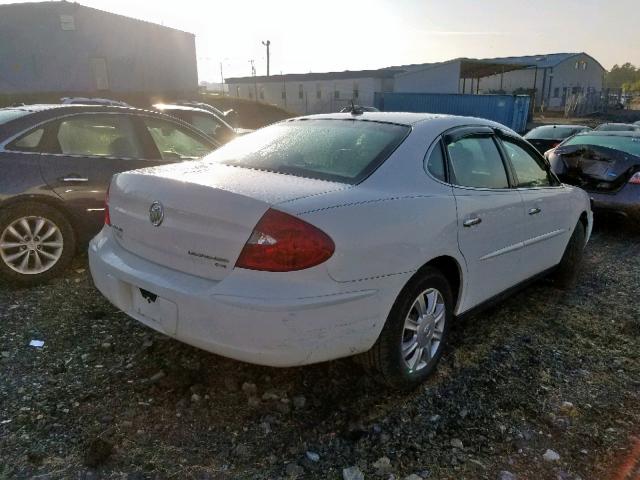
(334, 235)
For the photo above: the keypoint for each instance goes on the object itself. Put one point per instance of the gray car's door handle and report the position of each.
(470, 222)
(75, 179)
(534, 211)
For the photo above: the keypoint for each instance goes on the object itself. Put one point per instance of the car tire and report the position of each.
(388, 361)
(566, 274)
(37, 243)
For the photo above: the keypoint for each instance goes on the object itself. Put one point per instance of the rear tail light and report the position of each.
(282, 243)
(107, 217)
(635, 178)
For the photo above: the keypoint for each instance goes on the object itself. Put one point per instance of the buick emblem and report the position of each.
(156, 214)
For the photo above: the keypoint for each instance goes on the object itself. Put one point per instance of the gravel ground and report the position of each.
(544, 386)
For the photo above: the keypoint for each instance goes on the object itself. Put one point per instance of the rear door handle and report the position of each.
(75, 179)
(534, 211)
(470, 222)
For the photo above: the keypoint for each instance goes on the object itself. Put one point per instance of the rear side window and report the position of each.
(476, 162)
(174, 142)
(337, 150)
(99, 135)
(29, 142)
(435, 164)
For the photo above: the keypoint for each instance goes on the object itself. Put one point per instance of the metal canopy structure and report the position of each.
(472, 68)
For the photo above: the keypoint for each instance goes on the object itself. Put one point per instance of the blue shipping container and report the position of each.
(509, 110)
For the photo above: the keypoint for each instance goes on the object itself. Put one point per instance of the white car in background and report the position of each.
(335, 235)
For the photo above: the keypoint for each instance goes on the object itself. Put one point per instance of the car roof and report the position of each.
(559, 125)
(618, 124)
(184, 108)
(43, 107)
(402, 118)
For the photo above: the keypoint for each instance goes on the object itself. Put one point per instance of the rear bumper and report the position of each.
(626, 201)
(271, 330)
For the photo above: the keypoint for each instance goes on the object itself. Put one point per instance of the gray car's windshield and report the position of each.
(336, 150)
(8, 114)
(626, 144)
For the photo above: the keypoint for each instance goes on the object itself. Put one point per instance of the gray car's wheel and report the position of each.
(566, 274)
(415, 333)
(37, 242)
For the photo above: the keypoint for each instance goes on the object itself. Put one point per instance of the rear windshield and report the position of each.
(337, 150)
(552, 133)
(8, 114)
(629, 145)
(616, 127)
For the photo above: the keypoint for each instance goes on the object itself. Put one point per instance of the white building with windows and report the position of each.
(309, 93)
(550, 78)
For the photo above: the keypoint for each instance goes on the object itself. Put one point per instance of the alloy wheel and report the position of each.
(31, 245)
(423, 329)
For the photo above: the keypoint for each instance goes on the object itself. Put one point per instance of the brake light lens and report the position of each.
(107, 217)
(635, 178)
(283, 243)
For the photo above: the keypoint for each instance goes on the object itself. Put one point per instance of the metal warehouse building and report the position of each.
(67, 47)
(552, 78)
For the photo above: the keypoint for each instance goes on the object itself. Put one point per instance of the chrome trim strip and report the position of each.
(502, 251)
(544, 237)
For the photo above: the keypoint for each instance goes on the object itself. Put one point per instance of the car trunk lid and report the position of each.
(595, 168)
(208, 212)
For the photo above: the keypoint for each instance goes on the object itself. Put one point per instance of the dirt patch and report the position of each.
(542, 375)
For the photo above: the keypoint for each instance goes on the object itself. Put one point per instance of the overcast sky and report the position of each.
(330, 35)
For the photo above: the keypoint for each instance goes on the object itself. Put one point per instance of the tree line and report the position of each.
(625, 76)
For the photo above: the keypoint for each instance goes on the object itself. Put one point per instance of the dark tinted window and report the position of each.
(529, 172)
(338, 150)
(435, 164)
(476, 162)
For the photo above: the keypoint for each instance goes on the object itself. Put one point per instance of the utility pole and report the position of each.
(221, 81)
(255, 83)
(266, 44)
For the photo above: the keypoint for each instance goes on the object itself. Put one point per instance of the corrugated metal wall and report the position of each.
(510, 110)
(66, 47)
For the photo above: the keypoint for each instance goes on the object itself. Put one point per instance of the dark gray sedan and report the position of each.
(56, 162)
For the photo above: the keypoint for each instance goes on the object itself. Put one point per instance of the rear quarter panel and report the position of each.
(387, 236)
(19, 175)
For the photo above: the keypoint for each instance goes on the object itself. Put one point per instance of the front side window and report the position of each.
(174, 142)
(476, 162)
(337, 150)
(99, 135)
(528, 170)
